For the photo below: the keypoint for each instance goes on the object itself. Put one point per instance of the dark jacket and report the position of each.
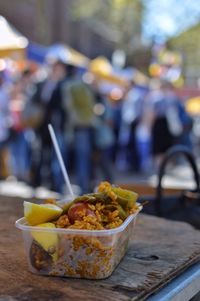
(53, 109)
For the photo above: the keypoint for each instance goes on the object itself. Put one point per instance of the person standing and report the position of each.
(79, 104)
(5, 125)
(104, 139)
(166, 121)
(48, 94)
(131, 116)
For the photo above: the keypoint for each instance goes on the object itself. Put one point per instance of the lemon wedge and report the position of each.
(36, 214)
(47, 240)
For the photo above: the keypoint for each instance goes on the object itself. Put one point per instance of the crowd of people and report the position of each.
(96, 134)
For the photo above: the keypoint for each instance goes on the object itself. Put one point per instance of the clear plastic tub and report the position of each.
(92, 254)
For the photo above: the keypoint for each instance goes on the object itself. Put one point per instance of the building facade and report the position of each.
(48, 21)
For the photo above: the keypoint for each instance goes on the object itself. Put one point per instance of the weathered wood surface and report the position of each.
(145, 188)
(159, 251)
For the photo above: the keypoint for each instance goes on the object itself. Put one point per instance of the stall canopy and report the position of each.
(135, 75)
(36, 52)
(103, 69)
(68, 55)
(12, 43)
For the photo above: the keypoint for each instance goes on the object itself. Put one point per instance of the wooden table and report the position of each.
(160, 250)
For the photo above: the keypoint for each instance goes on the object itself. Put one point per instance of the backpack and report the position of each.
(81, 104)
(32, 115)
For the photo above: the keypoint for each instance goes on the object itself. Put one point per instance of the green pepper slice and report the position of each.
(125, 198)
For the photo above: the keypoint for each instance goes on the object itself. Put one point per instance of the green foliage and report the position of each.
(117, 20)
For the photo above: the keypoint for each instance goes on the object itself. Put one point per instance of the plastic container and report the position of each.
(92, 254)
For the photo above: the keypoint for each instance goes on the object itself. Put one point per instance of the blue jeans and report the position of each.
(19, 156)
(83, 152)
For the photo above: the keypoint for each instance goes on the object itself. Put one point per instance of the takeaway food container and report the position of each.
(91, 254)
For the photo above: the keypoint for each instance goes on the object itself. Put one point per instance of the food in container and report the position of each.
(85, 238)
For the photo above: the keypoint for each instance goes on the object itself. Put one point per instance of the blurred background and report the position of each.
(119, 80)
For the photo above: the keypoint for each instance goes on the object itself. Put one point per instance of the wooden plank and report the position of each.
(159, 251)
(147, 189)
(183, 288)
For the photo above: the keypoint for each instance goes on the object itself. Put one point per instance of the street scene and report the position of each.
(100, 122)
